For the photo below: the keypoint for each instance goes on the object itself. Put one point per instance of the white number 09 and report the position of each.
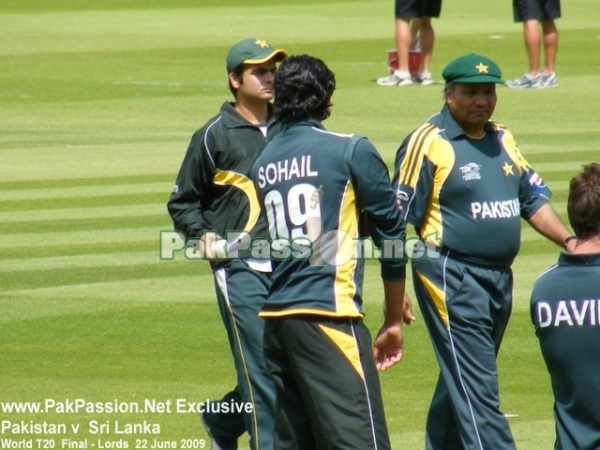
(298, 203)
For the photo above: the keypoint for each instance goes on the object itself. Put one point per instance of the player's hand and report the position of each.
(388, 347)
(206, 246)
(409, 316)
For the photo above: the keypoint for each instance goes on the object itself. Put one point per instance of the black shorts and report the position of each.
(417, 8)
(536, 10)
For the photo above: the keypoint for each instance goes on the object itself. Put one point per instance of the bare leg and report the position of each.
(415, 26)
(427, 40)
(403, 41)
(532, 37)
(550, 44)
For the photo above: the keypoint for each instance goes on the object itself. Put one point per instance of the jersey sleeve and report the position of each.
(192, 188)
(414, 176)
(533, 191)
(376, 197)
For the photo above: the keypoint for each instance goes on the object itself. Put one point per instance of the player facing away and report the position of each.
(312, 182)
(464, 185)
(565, 309)
(213, 195)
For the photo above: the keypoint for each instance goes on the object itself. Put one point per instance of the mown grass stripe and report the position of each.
(158, 221)
(79, 202)
(80, 261)
(90, 212)
(84, 191)
(33, 252)
(87, 182)
(119, 236)
(31, 279)
(570, 166)
(571, 156)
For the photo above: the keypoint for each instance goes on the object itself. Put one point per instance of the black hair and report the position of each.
(239, 72)
(303, 87)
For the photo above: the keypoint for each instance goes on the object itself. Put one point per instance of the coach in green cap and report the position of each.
(464, 185)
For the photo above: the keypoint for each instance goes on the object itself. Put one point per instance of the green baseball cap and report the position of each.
(252, 51)
(472, 69)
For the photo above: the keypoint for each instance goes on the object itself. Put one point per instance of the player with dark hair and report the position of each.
(565, 309)
(536, 14)
(214, 197)
(314, 183)
(465, 186)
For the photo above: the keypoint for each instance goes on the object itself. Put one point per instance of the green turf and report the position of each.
(98, 101)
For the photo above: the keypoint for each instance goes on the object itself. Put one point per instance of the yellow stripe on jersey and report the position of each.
(511, 148)
(437, 295)
(244, 184)
(307, 312)
(348, 346)
(344, 287)
(411, 165)
(441, 154)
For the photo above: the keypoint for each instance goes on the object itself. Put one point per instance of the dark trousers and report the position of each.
(466, 309)
(241, 292)
(328, 391)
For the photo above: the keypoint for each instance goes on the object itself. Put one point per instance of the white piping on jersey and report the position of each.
(432, 116)
(221, 278)
(331, 132)
(462, 385)
(364, 380)
(549, 269)
(206, 139)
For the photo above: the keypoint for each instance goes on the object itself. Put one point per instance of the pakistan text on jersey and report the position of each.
(495, 210)
(287, 169)
(569, 313)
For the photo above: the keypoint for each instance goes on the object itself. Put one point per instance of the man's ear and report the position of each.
(235, 80)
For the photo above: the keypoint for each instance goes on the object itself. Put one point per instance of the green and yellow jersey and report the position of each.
(213, 190)
(464, 195)
(313, 184)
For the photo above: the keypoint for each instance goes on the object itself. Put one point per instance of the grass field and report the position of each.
(98, 101)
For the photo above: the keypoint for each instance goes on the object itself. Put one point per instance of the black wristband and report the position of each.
(568, 239)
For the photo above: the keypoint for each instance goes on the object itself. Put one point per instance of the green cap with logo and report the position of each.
(252, 51)
(472, 69)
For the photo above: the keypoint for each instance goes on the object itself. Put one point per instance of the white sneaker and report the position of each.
(398, 78)
(425, 78)
(545, 81)
(526, 81)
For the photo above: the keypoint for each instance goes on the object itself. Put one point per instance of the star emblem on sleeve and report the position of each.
(508, 169)
(482, 68)
(262, 44)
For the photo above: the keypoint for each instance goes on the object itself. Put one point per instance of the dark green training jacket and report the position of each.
(213, 191)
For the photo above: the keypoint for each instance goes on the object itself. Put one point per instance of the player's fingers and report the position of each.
(407, 311)
(388, 361)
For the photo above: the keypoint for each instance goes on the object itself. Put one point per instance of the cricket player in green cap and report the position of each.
(214, 199)
(465, 186)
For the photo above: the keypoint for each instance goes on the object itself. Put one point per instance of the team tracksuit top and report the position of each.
(213, 191)
(302, 158)
(464, 195)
